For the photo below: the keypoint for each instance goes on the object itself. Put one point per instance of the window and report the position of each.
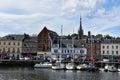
(25, 45)
(18, 43)
(68, 51)
(3, 49)
(14, 43)
(65, 50)
(107, 52)
(8, 50)
(107, 47)
(81, 51)
(112, 52)
(116, 47)
(13, 51)
(9, 43)
(112, 47)
(56, 51)
(103, 52)
(103, 47)
(18, 50)
(4, 43)
(69, 45)
(116, 52)
(74, 51)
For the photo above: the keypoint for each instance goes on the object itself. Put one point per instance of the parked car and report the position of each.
(27, 58)
(22, 58)
(106, 60)
(118, 60)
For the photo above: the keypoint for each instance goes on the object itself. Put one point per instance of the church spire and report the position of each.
(80, 31)
(80, 23)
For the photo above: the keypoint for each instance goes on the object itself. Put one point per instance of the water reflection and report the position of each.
(48, 74)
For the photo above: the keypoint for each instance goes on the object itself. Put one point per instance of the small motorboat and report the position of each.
(43, 65)
(112, 69)
(106, 68)
(82, 67)
(70, 66)
(58, 66)
(118, 69)
(92, 68)
(102, 69)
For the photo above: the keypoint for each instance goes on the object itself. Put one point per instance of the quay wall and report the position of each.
(31, 63)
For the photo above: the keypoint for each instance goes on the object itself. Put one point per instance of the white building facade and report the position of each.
(110, 49)
(69, 50)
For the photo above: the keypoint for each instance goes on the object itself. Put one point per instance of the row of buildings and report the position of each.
(48, 42)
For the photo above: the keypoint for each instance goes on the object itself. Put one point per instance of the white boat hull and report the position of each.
(118, 68)
(70, 66)
(112, 69)
(57, 68)
(43, 65)
(101, 69)
(82, 67)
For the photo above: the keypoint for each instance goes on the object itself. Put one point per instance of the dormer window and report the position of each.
(55, 45)
(70, 45)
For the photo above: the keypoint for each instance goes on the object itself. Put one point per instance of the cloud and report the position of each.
(103, 20)
(83, 7)
(30, 16)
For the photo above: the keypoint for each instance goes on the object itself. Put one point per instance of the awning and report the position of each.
(43, 53)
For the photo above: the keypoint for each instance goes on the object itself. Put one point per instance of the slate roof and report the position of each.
(19, 37)
(77, 42)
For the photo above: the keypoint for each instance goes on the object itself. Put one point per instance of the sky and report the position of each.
(31, 16)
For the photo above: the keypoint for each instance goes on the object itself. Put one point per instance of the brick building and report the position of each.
(93, 46)
(44, 41)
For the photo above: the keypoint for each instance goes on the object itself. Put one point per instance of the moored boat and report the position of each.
(106, 68)
(58, 66)
(43, 65)
(118, 69)
(112, 68)
(70, 66)
(92, 68)
(102, 69)
(82, 67)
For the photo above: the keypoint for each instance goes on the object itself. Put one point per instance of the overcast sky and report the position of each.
(30, 16)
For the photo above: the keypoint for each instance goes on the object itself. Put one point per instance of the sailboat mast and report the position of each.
(61, 42)
(73, 48)
(91, 47)
(61, 37)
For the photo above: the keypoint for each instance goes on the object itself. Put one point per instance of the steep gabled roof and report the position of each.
(51, 33)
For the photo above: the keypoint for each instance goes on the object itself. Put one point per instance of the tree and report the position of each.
(74, 35)
(99, 35)
(108, 36)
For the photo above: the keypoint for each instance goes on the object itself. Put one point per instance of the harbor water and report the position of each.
(28, 73)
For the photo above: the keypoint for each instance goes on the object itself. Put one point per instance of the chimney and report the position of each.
(89, 33)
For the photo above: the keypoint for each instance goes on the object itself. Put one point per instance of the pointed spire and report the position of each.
(80, 31)
(80, 23)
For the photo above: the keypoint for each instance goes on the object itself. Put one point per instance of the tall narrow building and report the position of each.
(44, 41)
(80, 30)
